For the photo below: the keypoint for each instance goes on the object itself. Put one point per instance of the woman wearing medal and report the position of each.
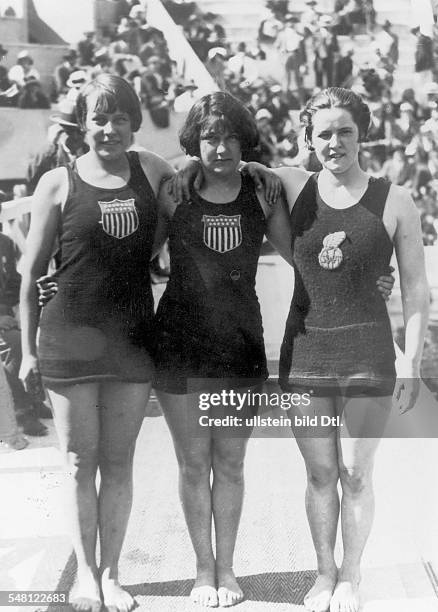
(338, 345)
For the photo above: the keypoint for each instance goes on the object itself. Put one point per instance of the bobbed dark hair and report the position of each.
(216, 113)
(336, 97)
(113, 93)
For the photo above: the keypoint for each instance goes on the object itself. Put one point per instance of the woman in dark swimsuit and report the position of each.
(96, 333)
(338, 344)
(209, 331)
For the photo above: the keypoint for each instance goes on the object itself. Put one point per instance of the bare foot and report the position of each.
(85, 595)
(204, 590)
(319, 596)
(115, 598)
(16, 441)
(229, 591)
(345, 597)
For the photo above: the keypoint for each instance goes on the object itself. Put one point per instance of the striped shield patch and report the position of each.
(119, 218)
(222, 233)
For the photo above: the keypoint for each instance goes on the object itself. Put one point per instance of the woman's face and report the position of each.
(220, 153)
(108, 134)
(335, 137)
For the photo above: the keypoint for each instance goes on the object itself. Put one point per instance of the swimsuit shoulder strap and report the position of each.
(138, 181)
(376, 195)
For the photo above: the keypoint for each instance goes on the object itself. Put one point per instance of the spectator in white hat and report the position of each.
(76, 81)
(23, 69)
(64, 70)
(243, 65)
(66, 143)
(216, 65)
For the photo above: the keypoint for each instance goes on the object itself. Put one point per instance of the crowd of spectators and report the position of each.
(317, 50)
(313, 51)
(129, 47)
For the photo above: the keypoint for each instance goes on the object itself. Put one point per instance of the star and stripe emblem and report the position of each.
(119, 218)
(222, 233)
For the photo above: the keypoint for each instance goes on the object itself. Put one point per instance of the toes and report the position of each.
(205, 596)
(84, 604)
(229, 598)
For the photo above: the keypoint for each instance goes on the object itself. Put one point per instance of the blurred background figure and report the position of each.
(27, 409)
(8, 90)
(86, 47)
(75, 82)
(216, 64)
(63, 72)
(290, 43)
(243, 66)
(10, 435)
(23, 70)
(65, 144)
(32, 95)
(154, 89)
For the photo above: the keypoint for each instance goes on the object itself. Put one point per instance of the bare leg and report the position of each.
(193, 452)
(77, 425)
(228, 490)
(363, 416)
(318, 447)
(122, 408)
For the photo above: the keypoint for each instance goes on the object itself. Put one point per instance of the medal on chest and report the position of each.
(330, 256)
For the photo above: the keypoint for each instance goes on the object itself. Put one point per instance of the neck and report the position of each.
(221, 188)
(350, 177)
(111, 166)
(227, 182)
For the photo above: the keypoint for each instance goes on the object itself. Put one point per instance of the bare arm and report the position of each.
(413, 282)
(158, 172)
(49, 195)
(278, 230)
(155, 168)
(166, 208)
(293, 181)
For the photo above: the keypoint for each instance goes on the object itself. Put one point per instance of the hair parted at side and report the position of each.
(217, 113)
(112, 93)
(336, 97)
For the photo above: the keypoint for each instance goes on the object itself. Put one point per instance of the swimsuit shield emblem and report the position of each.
(222, 233)
(119, 218)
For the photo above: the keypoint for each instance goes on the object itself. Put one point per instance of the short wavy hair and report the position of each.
(336, 97)
(217, 113)
(113, 93)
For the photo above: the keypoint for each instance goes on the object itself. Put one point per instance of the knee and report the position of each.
(194, 467)
(229, 467)
(116, 465)
(323, 476)
(354, 479)
(81, 463)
